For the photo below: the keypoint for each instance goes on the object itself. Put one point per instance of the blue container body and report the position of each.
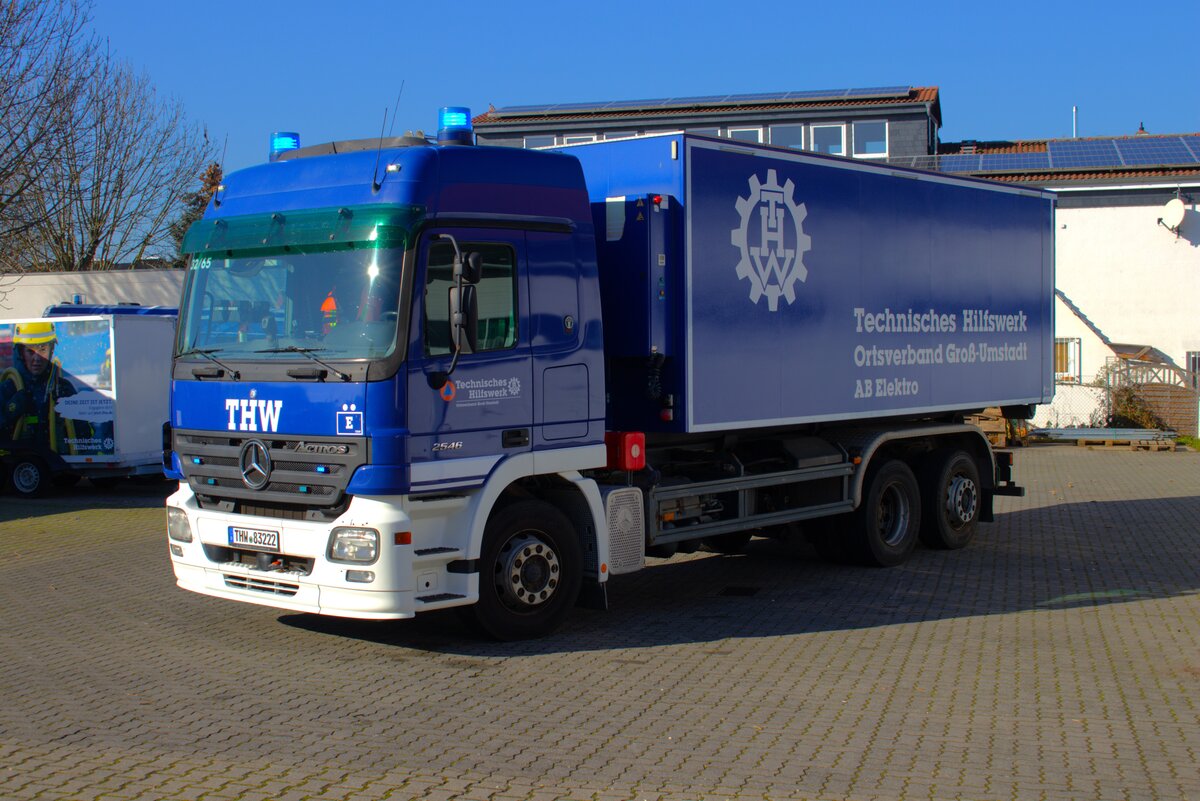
(785, 288)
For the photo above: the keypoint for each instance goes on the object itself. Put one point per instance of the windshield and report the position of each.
(337, 304)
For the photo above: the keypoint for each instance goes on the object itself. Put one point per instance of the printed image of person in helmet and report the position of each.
(31, 388)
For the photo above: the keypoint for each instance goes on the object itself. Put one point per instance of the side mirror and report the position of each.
(472, 268)
(464, 316)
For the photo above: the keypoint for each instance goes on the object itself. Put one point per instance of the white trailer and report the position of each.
(83, 396)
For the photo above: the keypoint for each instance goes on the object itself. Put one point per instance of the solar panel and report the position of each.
(1154, 150)
(816, 94)
(1193, 144)
(1083, 153)
(879, 91)
(915, 162)
(508, 111)
(759, 97)
(959, 163)
(703, 100)
(566, 107)
(999, 162)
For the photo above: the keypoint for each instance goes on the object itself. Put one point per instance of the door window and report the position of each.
(496, 293)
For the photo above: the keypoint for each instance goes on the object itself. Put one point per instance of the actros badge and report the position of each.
(772, 241)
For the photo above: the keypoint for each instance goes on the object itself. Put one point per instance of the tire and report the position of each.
(887, 523)
(29, 477)
(951, 494)
(530, 572)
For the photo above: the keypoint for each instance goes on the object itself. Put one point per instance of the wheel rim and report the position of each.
(26, 477)
(527, 572)
(894, 516)
(962, 501)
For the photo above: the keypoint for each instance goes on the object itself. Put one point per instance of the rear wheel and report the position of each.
(887, 522)
(530, 572)
(29, 476)
(951, 492)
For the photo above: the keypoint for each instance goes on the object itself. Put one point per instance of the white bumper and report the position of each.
(405, 577)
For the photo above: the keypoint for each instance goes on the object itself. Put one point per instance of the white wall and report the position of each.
(1134, 279)
(28, 294)
(1093, 352)
(1076, 405)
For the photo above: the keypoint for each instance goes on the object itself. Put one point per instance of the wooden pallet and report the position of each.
(992, 424)
(1132, 445)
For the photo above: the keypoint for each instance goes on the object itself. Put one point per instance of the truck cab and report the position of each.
(365, 338)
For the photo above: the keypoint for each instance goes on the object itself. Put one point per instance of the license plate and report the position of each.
(256, 539)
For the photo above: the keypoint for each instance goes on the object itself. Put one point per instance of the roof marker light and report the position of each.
(283, 141)
(454, 126)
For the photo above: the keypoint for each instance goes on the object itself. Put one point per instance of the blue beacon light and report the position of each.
(283, 141)
(454, 126)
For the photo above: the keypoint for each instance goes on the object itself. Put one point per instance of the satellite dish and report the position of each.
(1173, 213)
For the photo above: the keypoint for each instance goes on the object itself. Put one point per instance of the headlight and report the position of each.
(178, 527)
(359, 545)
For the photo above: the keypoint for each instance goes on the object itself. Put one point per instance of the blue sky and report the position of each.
(329, 70)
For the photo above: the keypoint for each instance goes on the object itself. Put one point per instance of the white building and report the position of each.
(1127, 263)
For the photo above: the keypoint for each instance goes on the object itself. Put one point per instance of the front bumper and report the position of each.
(405, 577)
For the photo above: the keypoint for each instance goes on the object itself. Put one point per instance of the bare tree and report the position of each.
(123, 175)
(46, 59)
(123, 157)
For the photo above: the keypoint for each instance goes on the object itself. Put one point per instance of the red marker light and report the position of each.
(656, 200)
(626, 450)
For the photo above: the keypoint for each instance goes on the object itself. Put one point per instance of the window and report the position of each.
(344, 304)
(787, 136)
(620, 134)
(746, 134)
(496, 293)
(575, 139)
(539, 141)
(1066, 360)
(705, 131)
(871, 139)
(829, 139)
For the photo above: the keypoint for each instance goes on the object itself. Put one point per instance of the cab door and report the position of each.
(460, 430)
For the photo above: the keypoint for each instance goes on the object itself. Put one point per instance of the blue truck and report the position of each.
(414, 375)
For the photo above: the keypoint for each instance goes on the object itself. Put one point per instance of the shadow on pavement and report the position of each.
(125, 494)
(1055, 557)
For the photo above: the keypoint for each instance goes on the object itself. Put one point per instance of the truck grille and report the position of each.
(305, 472)
(270, 586)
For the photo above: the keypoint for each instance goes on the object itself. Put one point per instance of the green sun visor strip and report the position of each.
(347, 226)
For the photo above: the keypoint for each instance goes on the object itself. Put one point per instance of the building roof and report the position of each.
(880, 97)
(1093, 160)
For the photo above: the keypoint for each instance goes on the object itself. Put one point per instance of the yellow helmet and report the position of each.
(38, 333)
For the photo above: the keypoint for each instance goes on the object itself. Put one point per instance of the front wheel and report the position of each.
(530, 572)
(889, 517)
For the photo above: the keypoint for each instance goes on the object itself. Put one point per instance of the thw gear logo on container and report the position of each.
(772, 251)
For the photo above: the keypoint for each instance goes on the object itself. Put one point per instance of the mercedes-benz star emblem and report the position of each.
(255, 461)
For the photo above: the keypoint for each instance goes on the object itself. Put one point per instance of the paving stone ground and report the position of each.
(1058, 657)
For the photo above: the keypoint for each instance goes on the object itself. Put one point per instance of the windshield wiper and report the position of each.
(208, 354)
(308, 353)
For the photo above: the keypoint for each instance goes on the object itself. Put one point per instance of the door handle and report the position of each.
(515, 438)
